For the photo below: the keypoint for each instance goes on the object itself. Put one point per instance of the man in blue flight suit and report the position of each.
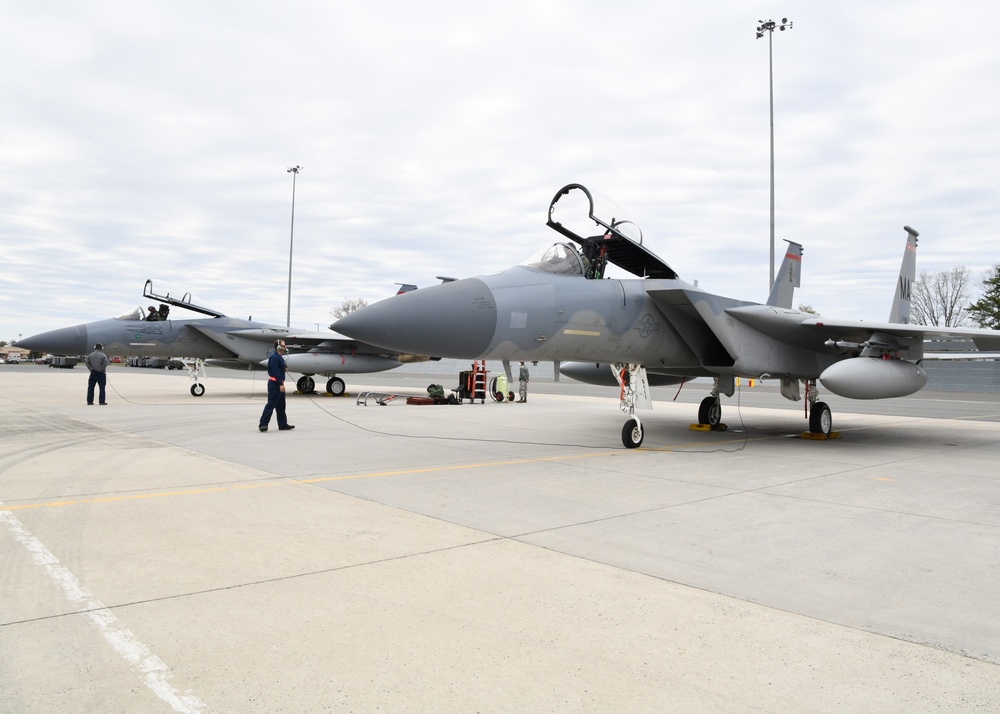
(276, 389)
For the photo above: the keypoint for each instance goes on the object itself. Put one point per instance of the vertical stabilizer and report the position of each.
(907, 276)
(788, 278)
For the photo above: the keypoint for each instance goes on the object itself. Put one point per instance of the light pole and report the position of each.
(294, 171)
(769, 27)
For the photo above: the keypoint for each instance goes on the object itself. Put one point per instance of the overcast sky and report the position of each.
(151, 140)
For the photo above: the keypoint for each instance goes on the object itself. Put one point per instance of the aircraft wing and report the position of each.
(859, 330)
(314, 336)
(701, 320)
(271, 333)
(329, 340)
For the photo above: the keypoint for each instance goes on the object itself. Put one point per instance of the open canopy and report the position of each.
(604, 233)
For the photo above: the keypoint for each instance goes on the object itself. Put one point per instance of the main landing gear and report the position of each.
(820, 416)
(334, 385)
(634, 392)
(710, 410)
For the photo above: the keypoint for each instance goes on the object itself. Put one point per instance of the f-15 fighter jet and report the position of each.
(219, 341)
(560, 307)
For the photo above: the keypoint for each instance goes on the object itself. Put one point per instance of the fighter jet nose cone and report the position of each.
(64, 341)
(463, 321)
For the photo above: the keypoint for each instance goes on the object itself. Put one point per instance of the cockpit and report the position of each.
(559, 259)
(151, 314)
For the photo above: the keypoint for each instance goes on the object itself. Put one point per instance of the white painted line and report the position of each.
(148, 666)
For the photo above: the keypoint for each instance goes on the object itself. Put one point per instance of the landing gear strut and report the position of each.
(634, 391)
(196, 369)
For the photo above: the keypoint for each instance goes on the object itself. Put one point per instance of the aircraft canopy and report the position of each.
(575, 211)
(172, 296)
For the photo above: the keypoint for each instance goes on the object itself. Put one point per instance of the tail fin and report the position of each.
(907, 275)
(788, 278)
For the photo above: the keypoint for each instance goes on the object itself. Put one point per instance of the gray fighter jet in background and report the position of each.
(219, 341)
(561, 307)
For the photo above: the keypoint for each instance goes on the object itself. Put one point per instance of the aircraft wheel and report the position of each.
(710, 411)
(197, 390)
(336, 386)
(632, 434)
(820, 419)
(306, 385)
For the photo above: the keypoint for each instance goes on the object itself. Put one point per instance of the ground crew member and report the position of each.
(522, 384)
(97, 362)
(275, 389)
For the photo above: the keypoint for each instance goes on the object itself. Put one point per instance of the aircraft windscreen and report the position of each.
(559, 258)
(133, 316)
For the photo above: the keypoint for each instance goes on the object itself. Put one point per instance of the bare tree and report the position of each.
(349, 306)
(941, 299)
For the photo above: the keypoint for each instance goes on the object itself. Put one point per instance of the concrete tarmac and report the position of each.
(160, 554)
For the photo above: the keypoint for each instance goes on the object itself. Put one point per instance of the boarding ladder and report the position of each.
(475, 386)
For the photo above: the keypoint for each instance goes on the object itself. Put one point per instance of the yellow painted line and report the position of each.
(585, 333)
(456, 467)
(136, 496)
(291, 481)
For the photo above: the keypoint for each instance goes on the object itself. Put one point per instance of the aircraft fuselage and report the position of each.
(668, 326)
(167, 338)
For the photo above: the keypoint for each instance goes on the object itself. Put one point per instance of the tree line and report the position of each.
(944, 299)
